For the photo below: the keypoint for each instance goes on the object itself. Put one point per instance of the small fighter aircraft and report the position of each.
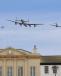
(2, 27)
(23, 22)
(56, 25)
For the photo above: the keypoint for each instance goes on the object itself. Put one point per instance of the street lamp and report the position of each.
(55, 69)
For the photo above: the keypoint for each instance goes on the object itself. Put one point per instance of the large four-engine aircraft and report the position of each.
(26, 23)
(23, 22)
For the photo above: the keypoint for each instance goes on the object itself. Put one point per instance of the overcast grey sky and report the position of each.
(46, 38)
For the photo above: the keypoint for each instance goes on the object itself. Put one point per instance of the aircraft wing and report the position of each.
(11, 20)
(20, 23)
(53, 25)
(34, 24)
(16, 22)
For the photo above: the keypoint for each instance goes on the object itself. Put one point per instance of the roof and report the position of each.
(13, 52)
(51, 59)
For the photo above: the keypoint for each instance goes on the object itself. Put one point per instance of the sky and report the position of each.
(47, 38)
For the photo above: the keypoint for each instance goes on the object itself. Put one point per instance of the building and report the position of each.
(50, 65)
(19, 62)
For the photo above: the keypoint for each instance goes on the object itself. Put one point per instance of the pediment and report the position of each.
(13, 51)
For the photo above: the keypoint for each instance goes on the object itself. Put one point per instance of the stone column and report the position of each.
(14, 67)
(26, 68)
(4, 68)
(38, 70)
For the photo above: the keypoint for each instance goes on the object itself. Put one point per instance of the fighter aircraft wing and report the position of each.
(56, 25)
(53, 25)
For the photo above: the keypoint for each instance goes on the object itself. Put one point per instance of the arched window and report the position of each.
(10, 71)
(0, 70)
(20, 71)
(32, 71)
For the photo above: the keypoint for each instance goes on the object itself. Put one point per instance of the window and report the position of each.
(20, 71)
(46, 69)
(0, 70)
(32, 71)
(54, 69)
(10, 71)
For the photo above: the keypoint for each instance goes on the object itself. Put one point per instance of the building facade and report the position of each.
(19, 62)
(50, 66)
